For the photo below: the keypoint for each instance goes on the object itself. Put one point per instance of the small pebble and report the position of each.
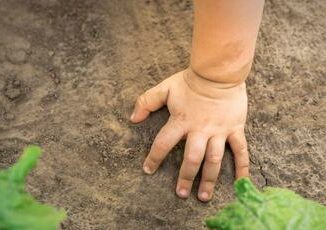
(51, 53)
(16, 83)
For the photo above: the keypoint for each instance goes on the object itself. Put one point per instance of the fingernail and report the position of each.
(183, 193)
(147, 169)
(132, 116)
(204, 196)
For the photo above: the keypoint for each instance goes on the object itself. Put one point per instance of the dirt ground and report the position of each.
(70, 72)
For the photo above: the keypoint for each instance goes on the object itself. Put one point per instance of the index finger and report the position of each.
(170, 134)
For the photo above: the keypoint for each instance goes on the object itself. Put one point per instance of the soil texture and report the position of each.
(70, 72)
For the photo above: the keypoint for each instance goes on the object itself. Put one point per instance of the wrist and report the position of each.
(227, 75)
(210, 88)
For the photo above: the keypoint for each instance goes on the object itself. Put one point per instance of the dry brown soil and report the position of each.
(70, 71)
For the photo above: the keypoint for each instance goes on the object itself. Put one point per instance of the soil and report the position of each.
(70, 72)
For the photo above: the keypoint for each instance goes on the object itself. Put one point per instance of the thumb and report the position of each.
(150, 101)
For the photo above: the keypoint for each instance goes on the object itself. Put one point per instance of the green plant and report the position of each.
(273, 209)
(18, 209)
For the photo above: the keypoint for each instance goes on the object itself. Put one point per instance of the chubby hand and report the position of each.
(207, 115)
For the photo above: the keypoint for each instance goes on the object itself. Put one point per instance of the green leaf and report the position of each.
(272, 209)
(18, 209)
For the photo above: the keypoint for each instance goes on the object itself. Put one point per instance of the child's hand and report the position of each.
(208, 116)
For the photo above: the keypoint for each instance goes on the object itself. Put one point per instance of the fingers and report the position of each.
(193, 156)
(211, 168)
(150, 101)
(238, 144)
(170, 134)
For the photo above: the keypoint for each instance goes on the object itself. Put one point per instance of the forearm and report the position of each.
(224, 37)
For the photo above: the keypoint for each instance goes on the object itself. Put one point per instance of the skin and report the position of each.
(208, 101)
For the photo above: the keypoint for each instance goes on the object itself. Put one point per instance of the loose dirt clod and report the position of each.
(12, 89)
(17, 56)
